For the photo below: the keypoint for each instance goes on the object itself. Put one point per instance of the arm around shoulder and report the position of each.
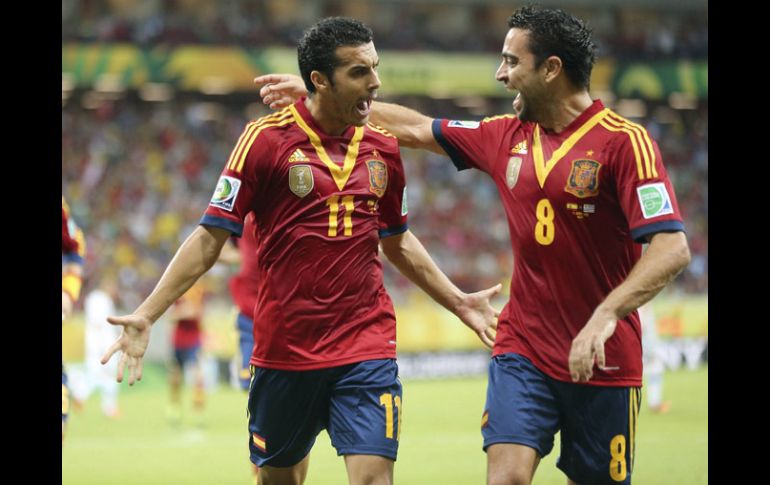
(413, 129)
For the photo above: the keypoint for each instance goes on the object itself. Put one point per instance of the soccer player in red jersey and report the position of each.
(582, 189)
(243, 289)
(327, 190)
(73, 247)
(187, 314)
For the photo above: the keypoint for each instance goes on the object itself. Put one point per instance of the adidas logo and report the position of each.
(520, 148)
(298, 156)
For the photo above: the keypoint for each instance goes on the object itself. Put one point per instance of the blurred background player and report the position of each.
(654, 363)
(242, 251)
(187, 315)
(73, 247)
(97, 305)
(243, 289)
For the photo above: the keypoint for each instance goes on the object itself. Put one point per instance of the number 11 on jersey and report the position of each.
(334, 208)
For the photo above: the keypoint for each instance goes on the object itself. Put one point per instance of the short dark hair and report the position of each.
(315, 51)
(554, 32)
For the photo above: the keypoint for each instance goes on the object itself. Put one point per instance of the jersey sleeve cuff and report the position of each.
(222, 223)
(640, 233)
(392, 231)
(454, 155)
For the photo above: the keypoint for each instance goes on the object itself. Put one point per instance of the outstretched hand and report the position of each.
(132, 343)
(478, 314)
(280, 90)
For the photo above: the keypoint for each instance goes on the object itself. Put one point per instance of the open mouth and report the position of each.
(364, 106)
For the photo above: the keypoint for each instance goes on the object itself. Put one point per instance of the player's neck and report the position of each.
(323, 117)
(564, 109)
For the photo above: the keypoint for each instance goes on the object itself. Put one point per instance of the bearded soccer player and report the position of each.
(582, 189)
(73, 247)
(326, 188)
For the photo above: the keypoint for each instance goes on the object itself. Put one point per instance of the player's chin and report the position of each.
(359, 119)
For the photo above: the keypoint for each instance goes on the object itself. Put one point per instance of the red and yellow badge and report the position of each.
(259, 441)
(378, 175)
(583, 180)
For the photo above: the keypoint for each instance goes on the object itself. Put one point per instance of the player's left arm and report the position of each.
(667, 255)
(407, 253)
(647, 199)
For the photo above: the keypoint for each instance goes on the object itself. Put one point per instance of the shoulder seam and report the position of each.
(641, 143)
(253, 130)
(498, 117)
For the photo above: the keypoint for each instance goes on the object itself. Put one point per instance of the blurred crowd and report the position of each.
(139, 175)
(626, 30)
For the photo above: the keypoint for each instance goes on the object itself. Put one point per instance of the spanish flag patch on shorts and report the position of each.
(259, 441)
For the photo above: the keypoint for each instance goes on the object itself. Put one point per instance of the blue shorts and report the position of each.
(246, 346)
(183, 356)
(65, 397)
(359, 405)
(597, 423)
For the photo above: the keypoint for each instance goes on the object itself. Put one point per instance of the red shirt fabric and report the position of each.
(244, 285)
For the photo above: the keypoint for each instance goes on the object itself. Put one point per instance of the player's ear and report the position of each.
(320, 81)
(552, 66)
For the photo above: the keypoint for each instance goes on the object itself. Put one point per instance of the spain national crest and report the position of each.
(300, 180)
(378, 177)
(583, 180)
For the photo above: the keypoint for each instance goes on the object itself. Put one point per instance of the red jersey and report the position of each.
(578, 204)
(72, 239)
(321, 204)
(243, 286)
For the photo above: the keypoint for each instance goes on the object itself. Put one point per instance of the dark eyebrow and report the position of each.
(363, 66)
(509, 57)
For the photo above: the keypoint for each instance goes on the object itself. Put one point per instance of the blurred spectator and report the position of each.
(625, 30)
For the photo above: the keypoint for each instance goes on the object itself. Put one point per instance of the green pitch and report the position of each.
(440, 441)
